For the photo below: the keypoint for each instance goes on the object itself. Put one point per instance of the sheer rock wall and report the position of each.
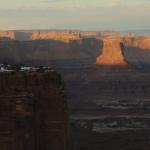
(33, 112)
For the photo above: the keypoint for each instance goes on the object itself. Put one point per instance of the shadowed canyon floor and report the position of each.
(110, 109)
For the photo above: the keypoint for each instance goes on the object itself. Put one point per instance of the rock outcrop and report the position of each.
(73, 46)
(49, 52)
(137, 42)
(7, 34)
(111, 53)
(33, 111)
(137, 50)
(64, 36)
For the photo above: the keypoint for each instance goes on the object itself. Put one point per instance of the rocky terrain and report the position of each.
(112, 54)
(60, 35)
(33, 111)
(7, 34)
(76, 47)
(137, 49)
(109, 107)
(49, 52)
(65, 36)
(137, 42)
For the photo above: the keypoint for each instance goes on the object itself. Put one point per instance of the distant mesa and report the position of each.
(7, 34)
(111, 53)
(15, 35)
(64, 36)
(75, 44)
(140, 42)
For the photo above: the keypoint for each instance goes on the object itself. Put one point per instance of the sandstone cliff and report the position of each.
(73, 47)
(64, 36)
(137, 49)
(7, 34)
(111, 53)
(15, 35)
(45, 51)
(33, 111)
(137, 42)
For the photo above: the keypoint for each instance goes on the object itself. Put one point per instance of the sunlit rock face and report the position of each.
(65, 36)
(137, 49)
(111, 53)
(7, 34)
(137, 42)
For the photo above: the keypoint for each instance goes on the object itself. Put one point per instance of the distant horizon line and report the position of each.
(61, 29)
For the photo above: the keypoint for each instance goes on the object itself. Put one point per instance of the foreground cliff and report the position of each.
(33, 111)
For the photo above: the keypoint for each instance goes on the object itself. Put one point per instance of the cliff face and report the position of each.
(15, 35)
(119, 51)
(137, 42)
(33, 112)
(53, 35)
(137, 49)
(77, 47)
(111, 53)
(45, 51)
(7, 34)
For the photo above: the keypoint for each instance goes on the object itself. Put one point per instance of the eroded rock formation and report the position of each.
(33, 112)
(111, 53)
(49, 52)
(7, 34)
(54, 35)
(137, 42)
(73, 46)
(137, 50)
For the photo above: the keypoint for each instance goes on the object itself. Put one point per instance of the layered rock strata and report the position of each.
(54, 35)
(33, 112)
(111, 53)
(137, 42)
(7, 34)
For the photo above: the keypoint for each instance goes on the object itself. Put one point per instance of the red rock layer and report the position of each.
(54, 35)
(111, 53)
(7, 34)
(137, 42)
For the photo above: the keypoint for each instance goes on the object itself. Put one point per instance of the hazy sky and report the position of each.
(75, 14)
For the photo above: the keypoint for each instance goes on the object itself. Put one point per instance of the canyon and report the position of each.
(109, 105)
(77, 47)
(107, 83)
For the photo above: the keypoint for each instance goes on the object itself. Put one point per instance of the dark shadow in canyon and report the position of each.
(49, 52)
